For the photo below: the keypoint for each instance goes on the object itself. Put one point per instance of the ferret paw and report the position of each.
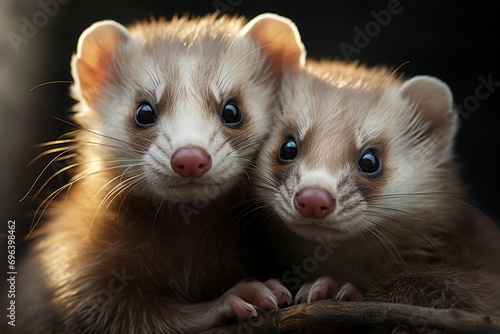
(327, 288)
(246, 298)
(323, 288)
(349, 293)
(280, 291)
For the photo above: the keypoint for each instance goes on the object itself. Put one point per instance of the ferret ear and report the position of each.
(280, 38)
(94, 64)
(433, 101)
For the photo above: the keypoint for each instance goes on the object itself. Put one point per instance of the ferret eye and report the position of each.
(288, 150)
(145, 116)
(231, 114)
(370, 163)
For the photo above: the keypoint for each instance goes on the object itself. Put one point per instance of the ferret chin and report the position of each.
(364, 158)
(168, 112)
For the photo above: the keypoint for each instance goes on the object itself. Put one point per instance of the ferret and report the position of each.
(365, 195)
(145, 236)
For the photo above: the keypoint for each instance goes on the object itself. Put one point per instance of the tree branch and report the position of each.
(449, 320)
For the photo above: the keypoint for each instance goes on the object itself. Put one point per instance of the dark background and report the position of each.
(455, 41)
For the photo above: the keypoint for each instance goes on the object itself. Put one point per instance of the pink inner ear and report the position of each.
(92, 78)
(98, 50)
(289, 55)
(280, 39)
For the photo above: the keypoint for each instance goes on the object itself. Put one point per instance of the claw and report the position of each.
(323, 288)
(282, 294)
(301, 296)
(246, 298)
(349, 292)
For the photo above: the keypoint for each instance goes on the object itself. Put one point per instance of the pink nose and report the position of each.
(191, 162)
(314, 203)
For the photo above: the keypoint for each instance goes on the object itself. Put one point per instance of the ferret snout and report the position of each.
(191, 161)
(314, 203)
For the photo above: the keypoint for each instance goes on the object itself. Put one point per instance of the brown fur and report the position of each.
(128, 245)
(406, 235)
(164, 264)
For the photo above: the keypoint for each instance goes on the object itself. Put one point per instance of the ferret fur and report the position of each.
(406, 235)
(127, 245)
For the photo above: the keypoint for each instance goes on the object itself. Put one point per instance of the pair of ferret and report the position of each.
(178, 119)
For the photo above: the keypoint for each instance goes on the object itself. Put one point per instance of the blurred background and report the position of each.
(456, 41)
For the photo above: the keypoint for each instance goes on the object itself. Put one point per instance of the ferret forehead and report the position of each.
(333, 123)
(353, 75)
(187, 29)
(316, 105)
(207, 63)
(180, 36)
(390, 116)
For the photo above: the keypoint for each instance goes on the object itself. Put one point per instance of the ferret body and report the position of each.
(145, 237)
(362, 182)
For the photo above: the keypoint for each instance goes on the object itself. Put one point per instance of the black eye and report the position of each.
(288, 150)
(231, 114)
(145, 116)
(369, 163)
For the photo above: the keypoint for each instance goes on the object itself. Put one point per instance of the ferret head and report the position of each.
(359, 153)
(178, 109)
